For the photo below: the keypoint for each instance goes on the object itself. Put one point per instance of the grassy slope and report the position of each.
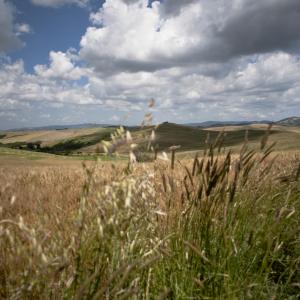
(286, 137)
(57, 141)
(46, 136)
(190, 138)
(51, 137)
(81, 141)
(167, 134)
(16, 158)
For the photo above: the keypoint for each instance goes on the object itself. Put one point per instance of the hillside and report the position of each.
(291, 121)
(207, 124)
(191, 138)
(86, 141)
(55, 141)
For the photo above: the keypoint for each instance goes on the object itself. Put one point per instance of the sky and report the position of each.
(101, 61)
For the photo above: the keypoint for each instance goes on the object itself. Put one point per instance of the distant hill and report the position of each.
(62, 127)
(168, 134)
(226, 123)
(87, 140)
(291, 121)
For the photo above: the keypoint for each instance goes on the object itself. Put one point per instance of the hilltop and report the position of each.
(291, 121)
(226, 123)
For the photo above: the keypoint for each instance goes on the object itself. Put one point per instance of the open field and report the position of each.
(285, 137)
(55, 141)
(16, 157)
(48, 136)
(220, 226)
(88, 141)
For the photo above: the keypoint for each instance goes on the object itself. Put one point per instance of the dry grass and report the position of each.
(46, 136)
(40, 191)
(255, 126)
(218, 226)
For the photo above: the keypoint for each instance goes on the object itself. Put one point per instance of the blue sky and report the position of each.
(80, 61)
(55, 29)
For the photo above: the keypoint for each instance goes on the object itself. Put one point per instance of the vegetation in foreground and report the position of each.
(221, 226)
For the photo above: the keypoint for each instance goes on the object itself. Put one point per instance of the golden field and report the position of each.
(220, 225)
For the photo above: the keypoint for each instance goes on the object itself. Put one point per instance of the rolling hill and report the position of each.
(207, 124)
(191, 138)
(55, 141)
(87, 140)
(291, 121)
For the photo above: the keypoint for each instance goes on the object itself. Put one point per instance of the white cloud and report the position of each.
(59, 3)
(61, 67)
(17, 88)
(8, 38)
(134, 37)
(22, 28)
(131, 36)
(266, 87)
(187, 55)
(249, 90)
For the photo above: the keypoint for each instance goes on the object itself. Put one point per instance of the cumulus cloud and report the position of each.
(251, 89)
(61, 67)
(18, 88)
(131, 36)
(59, 3)
(8, 38)
(266, 87)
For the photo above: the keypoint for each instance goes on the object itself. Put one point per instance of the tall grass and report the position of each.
(221, 226)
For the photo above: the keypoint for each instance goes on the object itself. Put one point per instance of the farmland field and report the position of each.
(224, 223)
(167, 134)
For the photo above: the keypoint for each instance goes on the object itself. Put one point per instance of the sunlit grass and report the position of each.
(219, 226)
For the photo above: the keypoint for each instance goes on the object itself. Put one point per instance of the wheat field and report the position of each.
(218, 226)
